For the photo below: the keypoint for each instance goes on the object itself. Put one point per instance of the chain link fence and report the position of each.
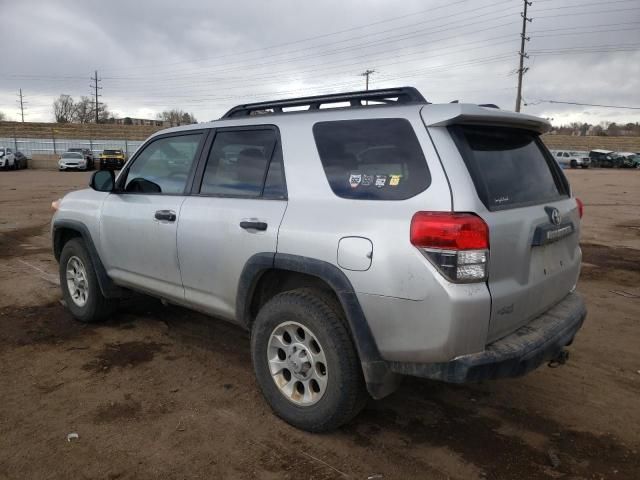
(56, 146)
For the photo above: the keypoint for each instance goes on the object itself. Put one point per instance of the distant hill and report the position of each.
(76, 130)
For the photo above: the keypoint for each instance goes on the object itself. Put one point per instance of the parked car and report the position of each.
(573, 159)
(331, 235)
(7, 158)
(113, 159)
(88, 155)
(628, 159)
(72, 161)
(604, 158)
(21, 160)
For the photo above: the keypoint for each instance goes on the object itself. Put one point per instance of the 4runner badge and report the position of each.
(355, 179)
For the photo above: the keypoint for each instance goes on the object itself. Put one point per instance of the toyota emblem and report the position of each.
(554, 216)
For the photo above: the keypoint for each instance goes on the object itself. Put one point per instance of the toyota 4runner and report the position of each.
(357, 244)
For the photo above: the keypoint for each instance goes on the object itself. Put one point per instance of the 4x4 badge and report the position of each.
(554, 215)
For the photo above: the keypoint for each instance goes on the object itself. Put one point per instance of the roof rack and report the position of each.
(393, 96)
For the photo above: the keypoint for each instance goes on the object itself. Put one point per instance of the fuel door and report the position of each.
(355, 253)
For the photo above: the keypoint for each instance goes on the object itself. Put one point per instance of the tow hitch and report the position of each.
(560, 359)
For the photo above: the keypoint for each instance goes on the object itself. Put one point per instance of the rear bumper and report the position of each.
(511, 356)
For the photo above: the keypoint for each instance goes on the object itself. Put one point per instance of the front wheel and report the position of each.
(79, 283)
(305, 361)
(573, 164)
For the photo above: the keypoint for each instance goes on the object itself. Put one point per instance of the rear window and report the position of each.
(374, 159)
(509, 166)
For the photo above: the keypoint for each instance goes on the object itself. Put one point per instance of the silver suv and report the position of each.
(358, 244)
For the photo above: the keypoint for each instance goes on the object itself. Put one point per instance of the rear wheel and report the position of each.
(573, 164)
(305, 361)
(79, 283)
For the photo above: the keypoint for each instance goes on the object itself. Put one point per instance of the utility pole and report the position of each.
(22, 104)
(523, 55)
(94, 86)
(366, 74)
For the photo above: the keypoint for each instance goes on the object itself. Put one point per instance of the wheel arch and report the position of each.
(294, 271)
(65, 230)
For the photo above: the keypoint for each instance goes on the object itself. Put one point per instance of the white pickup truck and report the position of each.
(573, 159)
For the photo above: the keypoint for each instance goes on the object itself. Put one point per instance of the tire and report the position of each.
(319, 407)
(573, 164)
(585, 166)
(96, 307)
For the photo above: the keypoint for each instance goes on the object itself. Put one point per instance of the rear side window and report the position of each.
(244, 163)
(373, 159)
(509, 166)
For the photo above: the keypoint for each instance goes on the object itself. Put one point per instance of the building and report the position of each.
(140, 121)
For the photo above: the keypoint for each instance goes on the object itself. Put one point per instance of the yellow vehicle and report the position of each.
(112, 159)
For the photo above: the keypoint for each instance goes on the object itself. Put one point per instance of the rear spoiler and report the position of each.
(440, 115)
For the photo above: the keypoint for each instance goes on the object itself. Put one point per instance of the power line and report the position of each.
(236, 54)
(587, 104)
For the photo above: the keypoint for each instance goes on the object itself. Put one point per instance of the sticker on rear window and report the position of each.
(355, 179)
(367, 180)
(394, 180)
(381, 181)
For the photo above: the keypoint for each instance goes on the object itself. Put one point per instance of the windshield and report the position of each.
(71, 155)
(1, 151)
(112, 152)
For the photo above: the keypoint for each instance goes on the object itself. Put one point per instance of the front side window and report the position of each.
(240, 164)
(164, 165)
(373, 159)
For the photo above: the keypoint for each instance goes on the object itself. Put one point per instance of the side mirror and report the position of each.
(103, 181)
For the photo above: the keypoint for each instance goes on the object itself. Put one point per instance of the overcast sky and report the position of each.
(206, 56)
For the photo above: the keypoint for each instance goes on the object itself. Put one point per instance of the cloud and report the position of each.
(206, 56)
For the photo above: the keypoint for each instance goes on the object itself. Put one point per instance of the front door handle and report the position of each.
(253, 225)
(166, 215)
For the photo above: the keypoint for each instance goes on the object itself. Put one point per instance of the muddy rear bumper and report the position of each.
(514, 355)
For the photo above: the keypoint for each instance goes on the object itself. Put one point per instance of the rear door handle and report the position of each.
(166, 215)
(253, 225)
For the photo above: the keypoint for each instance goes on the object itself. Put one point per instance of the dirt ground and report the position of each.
(160, 392)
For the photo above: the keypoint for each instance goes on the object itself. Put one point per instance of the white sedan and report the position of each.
(72, 160)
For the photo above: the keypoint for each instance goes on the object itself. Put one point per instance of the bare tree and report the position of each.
(3, 117)
(83, 112)
(103, 113)
(64, 109)
(177, 117)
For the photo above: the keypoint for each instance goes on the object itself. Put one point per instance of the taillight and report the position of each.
(580, 207)
(457, 244)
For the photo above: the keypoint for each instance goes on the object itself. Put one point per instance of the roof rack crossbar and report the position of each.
(402, 95)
